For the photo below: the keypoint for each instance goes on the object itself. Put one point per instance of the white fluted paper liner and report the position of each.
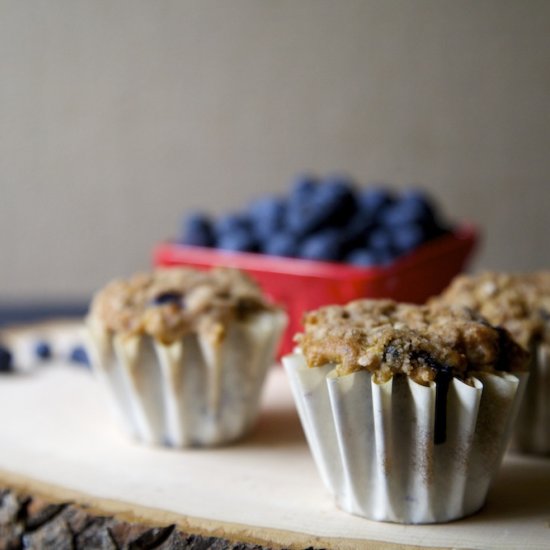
(532, 431)
(189, 393)
(373, 444)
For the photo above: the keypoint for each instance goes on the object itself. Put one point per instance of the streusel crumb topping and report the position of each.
(168, 303)
(518, 302)
(387, 338)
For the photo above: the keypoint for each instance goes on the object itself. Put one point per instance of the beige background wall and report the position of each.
(117, 116)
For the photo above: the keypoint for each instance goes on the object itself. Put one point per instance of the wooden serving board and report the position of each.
(57, 440)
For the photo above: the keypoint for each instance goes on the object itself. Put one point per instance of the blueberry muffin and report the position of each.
(407, 409)
(184, 353)
(519, 303)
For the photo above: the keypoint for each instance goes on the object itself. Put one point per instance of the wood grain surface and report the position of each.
(70, 479)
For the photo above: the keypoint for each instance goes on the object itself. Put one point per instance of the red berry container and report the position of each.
(302, 285)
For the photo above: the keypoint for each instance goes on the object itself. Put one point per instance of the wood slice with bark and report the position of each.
(33, 523)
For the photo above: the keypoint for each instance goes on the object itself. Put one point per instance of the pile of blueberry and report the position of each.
(329, 220)
(42, 352)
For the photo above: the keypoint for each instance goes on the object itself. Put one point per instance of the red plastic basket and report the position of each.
(302, 285)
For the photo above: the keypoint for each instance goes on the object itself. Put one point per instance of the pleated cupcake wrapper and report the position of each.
(373, 444)
(532, 432)
(192, 392)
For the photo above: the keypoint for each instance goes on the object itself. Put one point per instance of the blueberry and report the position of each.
(302, 214)
(337, 195)
(362, 257)
(281, 244)
(231, 223)
(324, 246)
(303, 186)
(6, 359)
(367, 257)
(170, 297)
(79, 356)
(197, 230)
(42, 350)
(375, 200)
(267, 216)
(304, 219)
(380, 239)
(414, 194)
(332, 203)
(238, 240)
(408, 236)
(386, 257)
(357, 229)
(412, 207)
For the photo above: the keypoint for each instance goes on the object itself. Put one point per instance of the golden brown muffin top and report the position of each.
(168, 303)
(518, 302)
(387, 338)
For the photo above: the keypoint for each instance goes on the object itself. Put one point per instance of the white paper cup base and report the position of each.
(189, 393)
(532, 432)
(373, 444)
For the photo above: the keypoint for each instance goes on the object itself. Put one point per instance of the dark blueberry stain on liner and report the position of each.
(443, 377)
(442, 381)
(503, 349)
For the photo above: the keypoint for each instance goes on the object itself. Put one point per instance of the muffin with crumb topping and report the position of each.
(184, 353)
(519, 303)
(407, 409)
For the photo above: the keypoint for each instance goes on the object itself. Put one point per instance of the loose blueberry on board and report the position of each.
(6, 360)
(281, 244)
(79, 356)
(238, 240)
(324, 246)
(197, 230)
(42, 350)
